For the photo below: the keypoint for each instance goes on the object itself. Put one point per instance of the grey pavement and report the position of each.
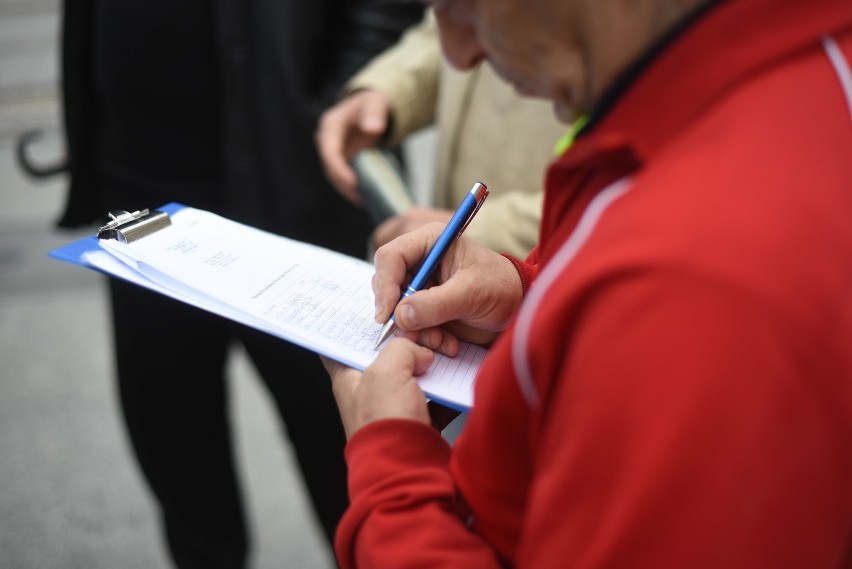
(70, 493)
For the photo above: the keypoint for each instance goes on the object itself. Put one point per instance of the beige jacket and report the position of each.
(485, 132)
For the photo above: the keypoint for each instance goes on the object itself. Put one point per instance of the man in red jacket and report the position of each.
(671, 380)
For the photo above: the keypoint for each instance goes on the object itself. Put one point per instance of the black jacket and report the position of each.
(279, 63)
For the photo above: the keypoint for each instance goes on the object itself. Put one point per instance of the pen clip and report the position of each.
(481, 192)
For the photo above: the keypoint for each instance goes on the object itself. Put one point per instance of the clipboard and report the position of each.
(449, 381)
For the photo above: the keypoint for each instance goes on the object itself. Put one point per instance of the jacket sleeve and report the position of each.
(404, 508)
(678, 432)
(409, 74)
(527, 270)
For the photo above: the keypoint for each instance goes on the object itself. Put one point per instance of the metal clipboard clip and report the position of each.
(127, 227)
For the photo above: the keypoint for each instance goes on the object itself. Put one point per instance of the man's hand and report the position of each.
(475, 295)
(387, 389)
(355, 123)
(410, 220)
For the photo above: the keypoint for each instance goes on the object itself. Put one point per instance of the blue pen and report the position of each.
(461, 219)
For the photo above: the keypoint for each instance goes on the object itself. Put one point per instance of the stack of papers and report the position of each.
(314, 297)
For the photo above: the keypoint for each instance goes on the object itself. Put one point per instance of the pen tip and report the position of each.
(383, 335)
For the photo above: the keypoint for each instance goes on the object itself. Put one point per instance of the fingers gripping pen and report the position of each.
(456, 226)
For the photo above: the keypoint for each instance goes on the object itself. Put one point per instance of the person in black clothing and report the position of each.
(213, 104)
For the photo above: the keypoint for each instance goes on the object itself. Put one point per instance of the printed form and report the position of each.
(312, 296)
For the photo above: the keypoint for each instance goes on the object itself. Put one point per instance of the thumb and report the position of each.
(402, 358)
(434, 306)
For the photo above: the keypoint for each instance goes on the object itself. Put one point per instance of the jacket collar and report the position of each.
(678, 79)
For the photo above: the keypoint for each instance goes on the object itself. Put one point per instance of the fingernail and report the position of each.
(409, 315)
(379, 310)
(371, 123)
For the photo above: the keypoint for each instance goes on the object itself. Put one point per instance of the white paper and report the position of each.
(314, 297)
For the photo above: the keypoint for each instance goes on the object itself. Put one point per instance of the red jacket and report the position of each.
(676, 390)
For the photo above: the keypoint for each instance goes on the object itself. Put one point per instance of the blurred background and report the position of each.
(70, 493)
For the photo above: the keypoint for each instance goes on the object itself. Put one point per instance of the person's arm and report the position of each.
(398, 470)
(677, 432)
(408, 74)
(397, 90)
(399, 477)
(406, 510)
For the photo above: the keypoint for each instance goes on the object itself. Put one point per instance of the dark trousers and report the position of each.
(171, 360)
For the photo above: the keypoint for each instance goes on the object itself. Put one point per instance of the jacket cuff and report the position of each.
(526, 271)
(390, 446)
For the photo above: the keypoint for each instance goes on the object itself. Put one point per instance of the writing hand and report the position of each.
(475, 296)
(355, 123)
